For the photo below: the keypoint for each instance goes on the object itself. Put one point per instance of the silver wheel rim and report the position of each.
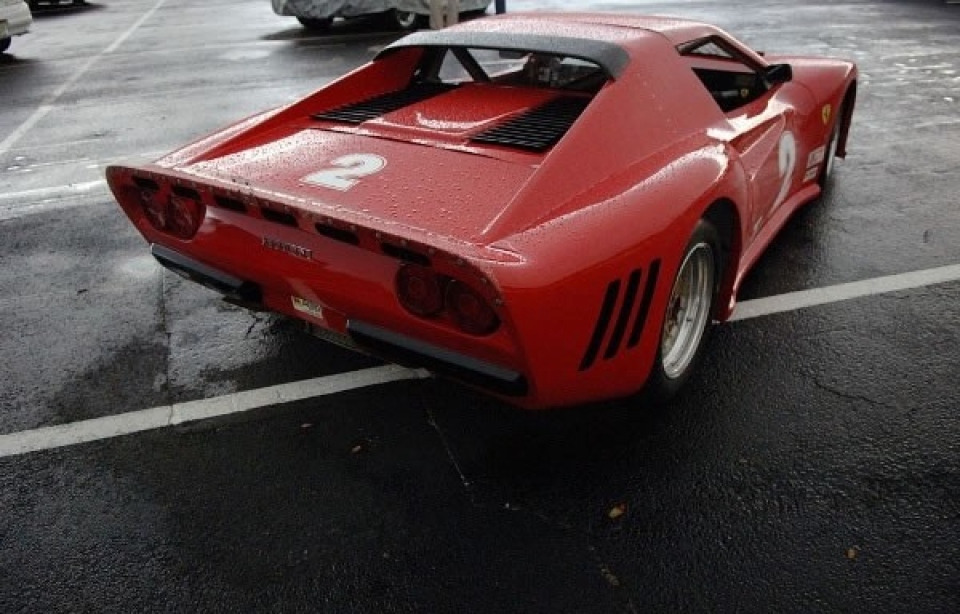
(687, 310)
(405, 19)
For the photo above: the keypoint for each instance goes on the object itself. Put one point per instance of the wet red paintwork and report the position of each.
(540, 235)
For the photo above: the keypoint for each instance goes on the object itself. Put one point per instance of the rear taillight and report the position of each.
(427, 294)
(184, 216)
(178, 213)
(419, 290)
(153, 209)
(470, 311)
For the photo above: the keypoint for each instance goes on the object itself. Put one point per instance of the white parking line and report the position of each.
(47, 104)
(50, 437)
(47, 438)
(60, 191)
(802, 299)
(15, 205)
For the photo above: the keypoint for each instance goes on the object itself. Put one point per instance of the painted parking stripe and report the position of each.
(55, 192)
(803, 299)
(50, 437)
(47, 438)
(48, 103)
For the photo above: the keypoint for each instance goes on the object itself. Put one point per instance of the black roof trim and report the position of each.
(610, 57)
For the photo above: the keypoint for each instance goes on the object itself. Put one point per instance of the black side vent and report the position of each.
(539, 128)
(338, 234)
(229, 203)
(371, 108)
(626, 313)
(407, 255)
(146, 184)
(279, 217)
(185, 192)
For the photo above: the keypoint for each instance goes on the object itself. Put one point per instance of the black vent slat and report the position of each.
(645, 301)
(539, 128)
(371, 108)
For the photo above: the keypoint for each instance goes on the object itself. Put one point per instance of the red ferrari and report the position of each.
(550, 207)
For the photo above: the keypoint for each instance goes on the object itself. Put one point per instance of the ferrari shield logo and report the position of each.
(825, 113)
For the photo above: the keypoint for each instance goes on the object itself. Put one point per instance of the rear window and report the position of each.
(516, 68)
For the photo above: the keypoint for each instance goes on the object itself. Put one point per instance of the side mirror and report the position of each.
(777, 73)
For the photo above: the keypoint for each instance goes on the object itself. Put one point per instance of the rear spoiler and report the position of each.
(612, 58)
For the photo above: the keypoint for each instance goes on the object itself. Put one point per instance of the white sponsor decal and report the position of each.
(810, 174)
(816, 156)
(787, 161)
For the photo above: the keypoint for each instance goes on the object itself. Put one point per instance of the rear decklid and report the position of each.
(437, 190)
(447, 164)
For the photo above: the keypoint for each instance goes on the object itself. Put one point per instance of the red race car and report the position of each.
(550, 207)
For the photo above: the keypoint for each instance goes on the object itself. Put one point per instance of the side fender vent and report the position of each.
(629, 309)
(539, 128)
(372, 108)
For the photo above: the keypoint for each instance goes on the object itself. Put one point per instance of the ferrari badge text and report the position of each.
(288, 248)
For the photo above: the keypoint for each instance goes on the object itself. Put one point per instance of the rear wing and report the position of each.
(612, 58)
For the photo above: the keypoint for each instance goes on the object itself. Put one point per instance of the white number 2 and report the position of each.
(346, 171)
(787, 161)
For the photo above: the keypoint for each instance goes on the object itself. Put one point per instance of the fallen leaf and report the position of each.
(852, 552)
(617, 511)
(611, 579)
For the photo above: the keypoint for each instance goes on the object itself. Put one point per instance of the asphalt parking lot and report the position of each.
(813, 464)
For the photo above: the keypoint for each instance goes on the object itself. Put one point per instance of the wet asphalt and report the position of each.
(812, 465)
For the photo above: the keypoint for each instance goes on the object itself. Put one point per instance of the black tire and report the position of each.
(316, 24)
(399, 20)
(675, 363)
(5, 44)
(825, 176)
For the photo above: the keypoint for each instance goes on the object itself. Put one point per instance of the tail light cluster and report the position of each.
(177, 211)
(427, 294)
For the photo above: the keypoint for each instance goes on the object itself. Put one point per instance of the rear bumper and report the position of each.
(413, 352)
(388, 344)
(232, 288)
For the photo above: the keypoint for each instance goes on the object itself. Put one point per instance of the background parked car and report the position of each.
(15, 19)
(35, 4)
(399, 14)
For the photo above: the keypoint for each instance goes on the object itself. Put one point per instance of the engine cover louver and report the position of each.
(539, 128)
(372, 108)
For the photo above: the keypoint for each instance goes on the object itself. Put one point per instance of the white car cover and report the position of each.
(322, 9)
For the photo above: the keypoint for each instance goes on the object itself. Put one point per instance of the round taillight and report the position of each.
(154, 209)
(184, 216)
(419, 290)
(470, 311)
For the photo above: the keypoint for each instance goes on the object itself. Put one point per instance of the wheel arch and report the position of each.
(849, 100)
(725, 217)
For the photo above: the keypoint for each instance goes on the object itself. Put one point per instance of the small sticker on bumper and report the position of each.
(304, 306)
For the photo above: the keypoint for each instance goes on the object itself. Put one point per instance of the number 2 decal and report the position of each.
(787, 161)
(346, 171)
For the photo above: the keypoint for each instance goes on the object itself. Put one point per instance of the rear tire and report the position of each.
(5, 44)
(316, 24)
(399, 20)
(687, 318)
(825, 178)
